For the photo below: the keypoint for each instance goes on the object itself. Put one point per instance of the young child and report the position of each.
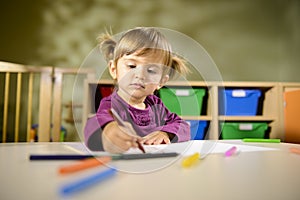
(140, 62)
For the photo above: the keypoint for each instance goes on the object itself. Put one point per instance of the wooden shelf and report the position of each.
(272, 107)
(245, 118)
(202, 118)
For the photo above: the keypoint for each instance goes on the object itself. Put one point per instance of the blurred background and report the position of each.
(248, 39)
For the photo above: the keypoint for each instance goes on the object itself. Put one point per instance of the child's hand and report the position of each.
(116, 140)
(157, 137)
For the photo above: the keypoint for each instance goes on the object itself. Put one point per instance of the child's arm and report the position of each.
(170, 127)
(157, 137)
(102, 132)
(116, 140)
(177, 129)
(112, 138)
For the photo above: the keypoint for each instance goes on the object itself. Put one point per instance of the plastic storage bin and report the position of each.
(198, 129)
(106, 90)
(241, 102)
(232, 130)
(183, 101)
(101, 91)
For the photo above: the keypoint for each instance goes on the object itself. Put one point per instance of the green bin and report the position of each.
(243, 130)
(183, 101)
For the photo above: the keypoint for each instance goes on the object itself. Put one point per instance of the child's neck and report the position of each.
(140, 106)
(136, 103)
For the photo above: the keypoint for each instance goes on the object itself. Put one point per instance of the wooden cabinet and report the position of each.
(292, 114)
(271, 106)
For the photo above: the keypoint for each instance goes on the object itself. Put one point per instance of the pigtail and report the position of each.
(179, 66)
(107, 46)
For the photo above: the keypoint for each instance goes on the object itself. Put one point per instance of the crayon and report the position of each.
(190, 160)
(261, 140)
(295, 150)
(84, 164)
(230, 151)
(86, 182)
(144, 156)
(34, 157)
(47, 157)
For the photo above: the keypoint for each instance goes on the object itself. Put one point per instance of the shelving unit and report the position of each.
(272, 104)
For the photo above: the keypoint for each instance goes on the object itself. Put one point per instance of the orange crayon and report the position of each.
(84, 164)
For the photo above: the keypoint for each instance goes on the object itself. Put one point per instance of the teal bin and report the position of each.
(240, 130)
(183, 101)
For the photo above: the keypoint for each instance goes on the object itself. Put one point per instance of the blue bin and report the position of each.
(198, 129)
(241, 102)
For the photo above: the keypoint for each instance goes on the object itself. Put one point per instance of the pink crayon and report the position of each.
(230, 151)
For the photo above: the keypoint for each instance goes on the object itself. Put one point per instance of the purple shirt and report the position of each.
(156, 117)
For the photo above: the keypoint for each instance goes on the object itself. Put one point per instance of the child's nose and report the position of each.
(140, 72)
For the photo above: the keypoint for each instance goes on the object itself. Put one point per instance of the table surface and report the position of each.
(248, 175)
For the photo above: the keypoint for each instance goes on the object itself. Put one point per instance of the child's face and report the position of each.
(138, 76)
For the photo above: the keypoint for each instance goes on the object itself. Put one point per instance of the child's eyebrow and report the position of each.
(130, 59)
(156, 65)
(135, 60)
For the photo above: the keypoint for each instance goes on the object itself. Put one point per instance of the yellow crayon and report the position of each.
(190, 160)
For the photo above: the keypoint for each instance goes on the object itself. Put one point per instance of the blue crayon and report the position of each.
(84, 183)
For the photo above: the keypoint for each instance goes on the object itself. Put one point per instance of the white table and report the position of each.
(248, 175)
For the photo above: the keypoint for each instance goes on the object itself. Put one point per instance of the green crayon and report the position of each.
(261, 140)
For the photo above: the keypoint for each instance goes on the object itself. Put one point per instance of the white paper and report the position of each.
(204, 147)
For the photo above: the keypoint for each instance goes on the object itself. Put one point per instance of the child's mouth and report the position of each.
(138, 85)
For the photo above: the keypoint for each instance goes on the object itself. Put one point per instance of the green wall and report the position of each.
(247, 39)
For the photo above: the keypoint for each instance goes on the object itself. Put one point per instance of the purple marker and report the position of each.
(230, 151)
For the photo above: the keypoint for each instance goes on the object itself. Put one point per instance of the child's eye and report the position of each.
(151, 71)
(131, 66)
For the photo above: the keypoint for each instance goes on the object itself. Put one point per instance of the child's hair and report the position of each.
(142, 40)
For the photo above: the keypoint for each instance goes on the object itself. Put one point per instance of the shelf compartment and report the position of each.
(245, 118)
